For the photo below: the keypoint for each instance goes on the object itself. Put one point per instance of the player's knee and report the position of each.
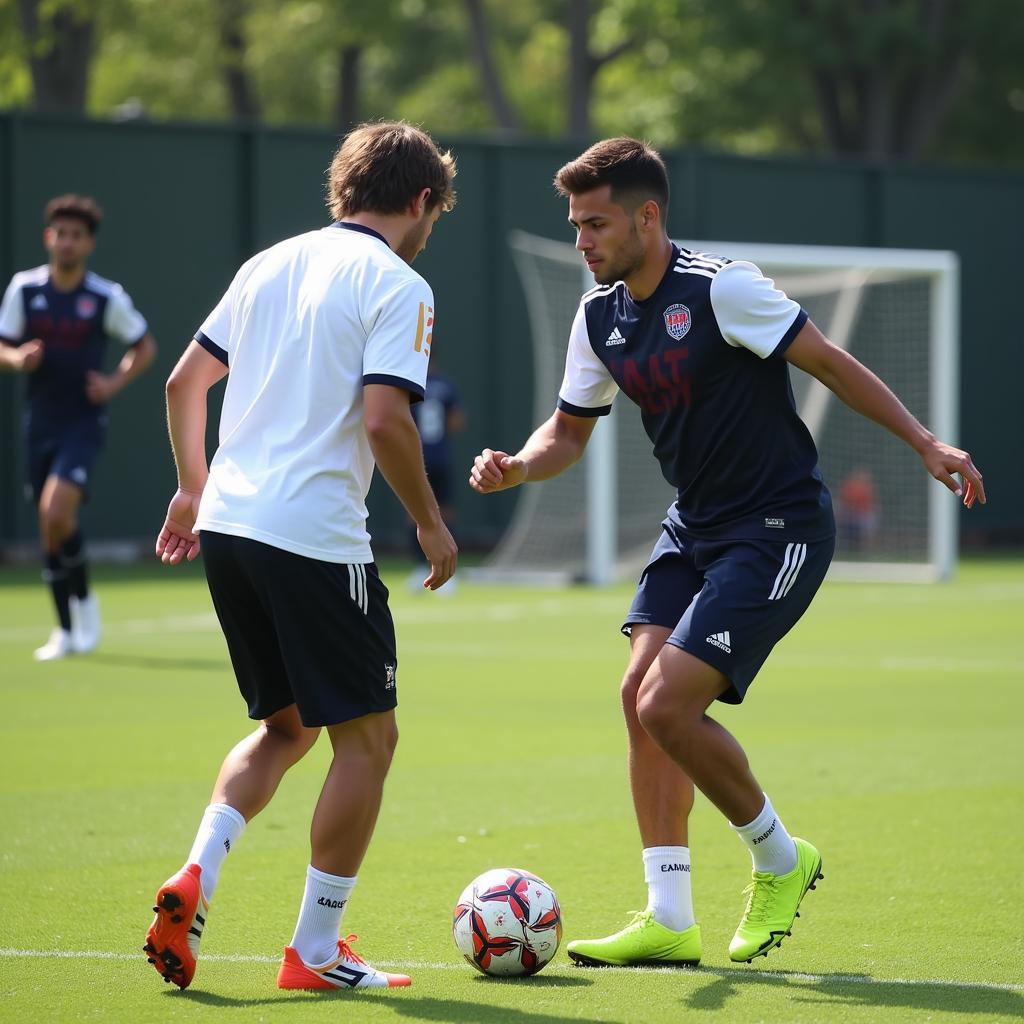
(663, 712)
(55, 526)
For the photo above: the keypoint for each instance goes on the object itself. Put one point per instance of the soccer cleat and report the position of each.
(350, 970)
(85, 623)
(172, 942)
(60, 645)
(772, 905)
(642, 943)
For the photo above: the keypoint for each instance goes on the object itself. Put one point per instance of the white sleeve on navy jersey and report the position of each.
(587, 384)
(399, 336)
(121, 319)
(12, 312)
(751, 312)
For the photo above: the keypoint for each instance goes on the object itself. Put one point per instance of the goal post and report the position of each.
(897, 310)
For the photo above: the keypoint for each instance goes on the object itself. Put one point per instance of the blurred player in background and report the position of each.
(324, 339)
(439, 418)
(702, 344)
(54, 324)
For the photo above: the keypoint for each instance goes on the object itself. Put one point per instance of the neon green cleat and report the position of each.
(642, 943)
(772, 905)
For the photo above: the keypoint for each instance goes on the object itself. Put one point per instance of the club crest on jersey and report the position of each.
(85, 306)
(677, 320)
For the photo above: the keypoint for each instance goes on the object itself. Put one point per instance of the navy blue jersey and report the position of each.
(431, 416)
(702, 358)
(74, 327)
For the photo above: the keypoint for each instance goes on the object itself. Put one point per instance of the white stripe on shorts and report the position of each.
(364, 597)
(352, 581)
(791, 565)
(801, 558)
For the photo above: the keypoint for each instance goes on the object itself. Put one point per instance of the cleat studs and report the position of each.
(156, 910)
(176, 918)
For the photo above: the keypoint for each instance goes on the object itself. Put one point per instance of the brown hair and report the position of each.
(634, 170)
(382, 167)
(83, 207)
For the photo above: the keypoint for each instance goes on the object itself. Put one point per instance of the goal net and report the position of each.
(895, 310)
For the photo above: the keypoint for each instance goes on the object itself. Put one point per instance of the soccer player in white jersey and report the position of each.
(702, 344)
(324, 339)
(54, 324)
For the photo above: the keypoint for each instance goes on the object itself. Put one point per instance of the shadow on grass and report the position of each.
(151, 661)
(974, 1000)
(413, 1007)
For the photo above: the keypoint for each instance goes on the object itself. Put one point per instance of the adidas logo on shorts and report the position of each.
(721, 641)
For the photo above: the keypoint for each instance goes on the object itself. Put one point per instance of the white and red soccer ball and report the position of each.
(507, 923)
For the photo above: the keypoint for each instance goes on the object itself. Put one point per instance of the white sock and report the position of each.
(323, 903)
(770, 845)
(218, 832)
(667, 874)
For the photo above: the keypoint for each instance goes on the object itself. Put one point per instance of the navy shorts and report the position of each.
(728, 602)
(68, 451)
(301, 631)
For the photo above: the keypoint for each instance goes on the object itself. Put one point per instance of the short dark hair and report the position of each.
(634, 170)
(85, 208)
(381, 167)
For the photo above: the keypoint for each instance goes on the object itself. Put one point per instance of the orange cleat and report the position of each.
(350, 970)
(172, 942)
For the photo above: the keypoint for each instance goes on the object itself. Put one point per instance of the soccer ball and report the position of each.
(507, 923)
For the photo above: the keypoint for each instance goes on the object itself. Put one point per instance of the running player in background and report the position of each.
(701, 344)
(324, 339)
(54, 325)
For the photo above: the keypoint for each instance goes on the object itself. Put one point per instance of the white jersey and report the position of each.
(303, 326)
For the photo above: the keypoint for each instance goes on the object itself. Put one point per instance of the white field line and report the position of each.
(449, 965)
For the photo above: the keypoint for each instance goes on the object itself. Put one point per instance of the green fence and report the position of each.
(186, 204)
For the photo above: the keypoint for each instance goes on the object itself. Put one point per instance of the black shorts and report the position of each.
(300, 631)
(67, 450)
(728, 602)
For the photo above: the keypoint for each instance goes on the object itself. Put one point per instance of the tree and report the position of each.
(883, 74)
(508, 122)
(234, 64)
(584, 64)
(60, 36)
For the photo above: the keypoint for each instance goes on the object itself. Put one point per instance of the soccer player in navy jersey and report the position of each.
(54, 324)
(701, 344)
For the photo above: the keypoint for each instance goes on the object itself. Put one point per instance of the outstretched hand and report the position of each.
(178, 538)
(943, 461)
(496, 471)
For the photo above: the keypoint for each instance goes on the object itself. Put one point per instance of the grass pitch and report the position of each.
(887, 728)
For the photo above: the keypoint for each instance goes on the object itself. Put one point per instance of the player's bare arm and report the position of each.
(551, 449)
(101, 387)
(862, 391)
(197, 371)
(21, 358)
(395, 443)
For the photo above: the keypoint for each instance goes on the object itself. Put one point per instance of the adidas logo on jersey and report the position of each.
(615, 338)
(721, 641)
(38, 302)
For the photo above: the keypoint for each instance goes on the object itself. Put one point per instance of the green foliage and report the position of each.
(732, 74)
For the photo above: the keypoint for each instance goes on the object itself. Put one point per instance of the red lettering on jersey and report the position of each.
(634, 384)
(664, 386)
